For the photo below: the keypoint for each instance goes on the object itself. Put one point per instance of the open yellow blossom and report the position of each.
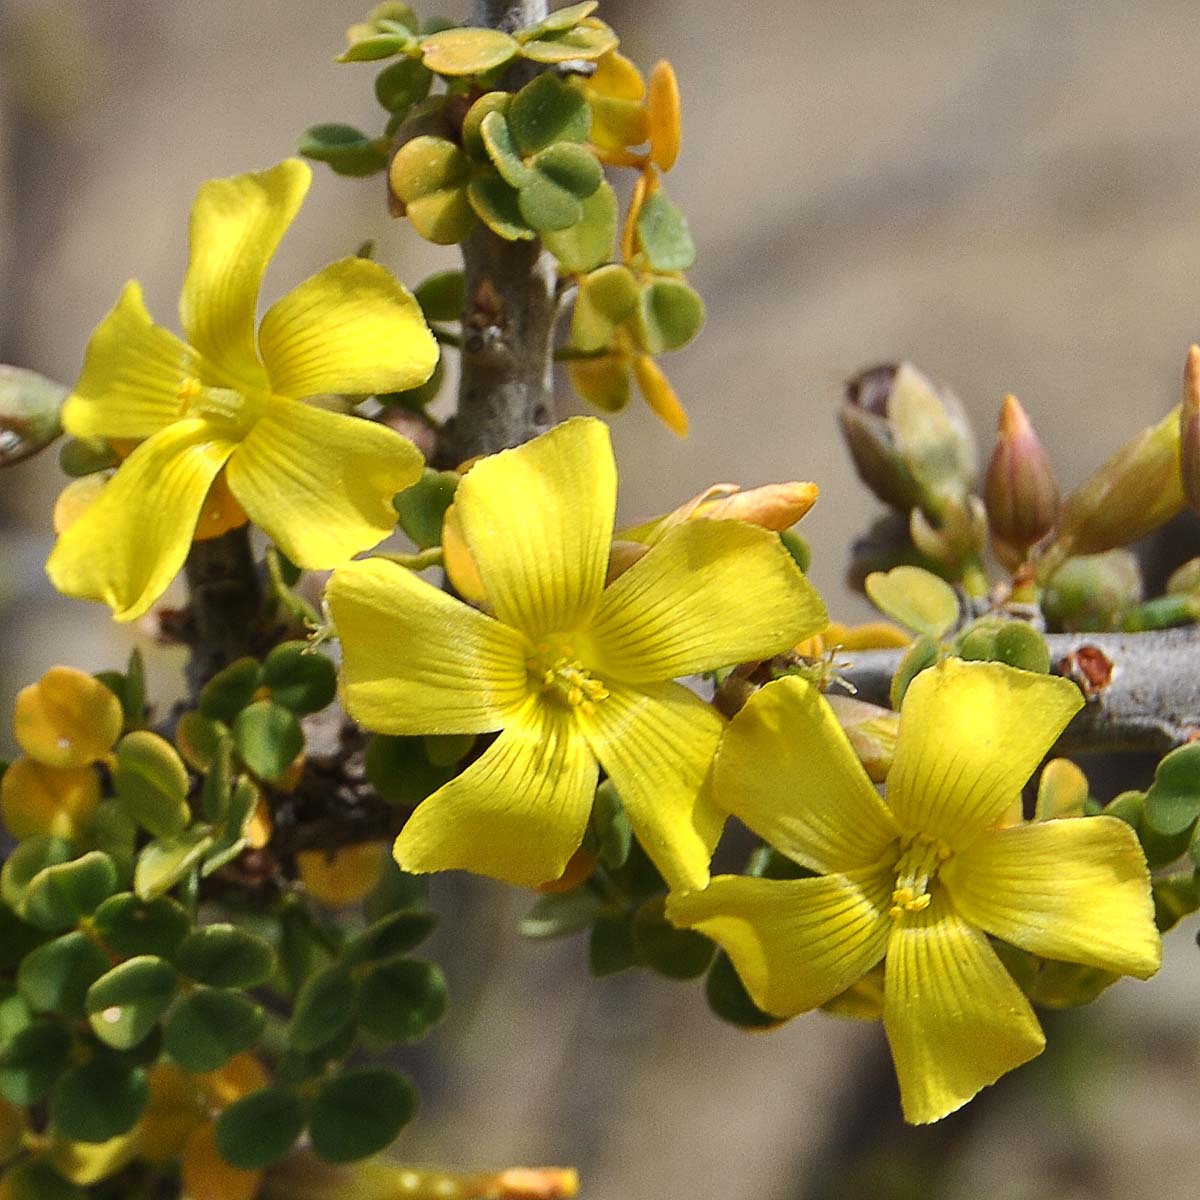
(224, 408)
(920, 881)
(574, 675)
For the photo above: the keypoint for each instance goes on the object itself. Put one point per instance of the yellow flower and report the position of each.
(224, 407)
(920, 881)
(574, 675)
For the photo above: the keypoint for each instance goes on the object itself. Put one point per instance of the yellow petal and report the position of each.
(351, 328)
(538, 521)
(955, 1019)
(656, 742)
(518, 813)
(76, 498)
(174, 1109)
(710, 594)
(971, 734)
(416, 661)
(207, 1176)
(658, 393)
(130, 544)
(796, 943)
(67, 719)
(240, 1076)
(89, 1163)
(456, 558)
(56, 801)
(321, 483)
(663, 115)
(1076, 890)
(236, 226)
(132, 375)
(616, 76)
(344, 877)
(786, 769)
(221, 511)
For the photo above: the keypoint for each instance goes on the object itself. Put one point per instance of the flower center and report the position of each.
(221, 405)
(556, 671)
(920, 857)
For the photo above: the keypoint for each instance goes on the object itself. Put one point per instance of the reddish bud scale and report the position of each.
(1020, 490)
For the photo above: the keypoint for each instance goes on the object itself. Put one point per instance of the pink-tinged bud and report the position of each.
(1189, 431)
(1020, 490)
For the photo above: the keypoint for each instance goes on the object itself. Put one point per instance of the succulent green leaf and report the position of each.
(1173, 800)
(224, 956)
(402, 1000)
(428, 175)
(422, 507)
(261, 1128)
(359, 1113)
(914, 597)
(299, 678)
(131, 927)
(129, 688)
(210, 1026)
(447, 749)
(17, 938)
(546, 111)
(669, 315)
(324, 1009)
(15, 1014)
(268, 737)
(571, 167)
(443, 296)
(230, 690)
(610, 827)
(675, 953)
(495, 204)
(611, 948)
(587, 40)
(664, 235)
(348, 151)
(235, 825)
(546, 207)
(59, 897)
(30, 857)
(32, 1060)
(472, 129)
(217, 789)
(921, 654)
(125, 1004)
(502, 150)
(36, 1179)
(29, 413)
(467, 51)
(560, 915)
(152, 783)
(560, 19)
(56, 976)
(390, 937)
(373, 48)
(400, 771)
(166, 862)
(85, 456)
(1020, 645)
(405, 83)
(199, 738)
(729, 1000)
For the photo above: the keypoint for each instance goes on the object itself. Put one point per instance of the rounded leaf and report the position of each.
(152, 783)
(545, 111)
(67, 718)
(500, 148)
(261, 1128)
(347, 150)
(663, 234)
(359, 1113)
(604, 381)
(422, 507)
(588, 40)
(729, 1000)
(1173, 801)
(32, 856)
(324, 1009)
(545, 207)
(675, 953)
(300, 679)
(467, 51)
(915, 598)
(390, 937)
(59, 897)
(403, 1000)
(164, 863)
(32, 1060)
(668, 315)
(37, 800)
(210, 1026)
(226, 957)
(442, 297)
(268, 737)
(399, 86)
(132, 927)
(56, 976)
(571, 167)
(124, 1005)
(230, 690)
(99, 1100)
(199, 739)
(35, 1179)
(589, 242)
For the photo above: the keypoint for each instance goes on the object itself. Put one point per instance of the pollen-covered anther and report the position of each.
(565, 678)
(918, 865)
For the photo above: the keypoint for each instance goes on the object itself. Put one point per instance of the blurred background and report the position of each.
(1006, 192)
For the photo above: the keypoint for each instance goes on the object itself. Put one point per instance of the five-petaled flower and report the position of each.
(572, 673)
(224, 411)
(919, 881)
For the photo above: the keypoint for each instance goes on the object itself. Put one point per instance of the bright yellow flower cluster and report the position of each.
(223, 409)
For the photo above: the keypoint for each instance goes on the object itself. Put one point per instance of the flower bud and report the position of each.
(909, 439)
(1189, 431)
(1020, 490)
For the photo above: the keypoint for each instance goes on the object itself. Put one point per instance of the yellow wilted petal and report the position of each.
(88, 1163)
(814, 801)
(175, 1108)
(76, 498)
(1076, 890)
(657, 742)
(1062, 790)
(57, 801)
(796, 943)
(67, 718)
(663, 114)
(710, 594)
(518, 813)
(659, 395)
(971, 734)
(417, 661)
(457, 560)
(221, 511)
(235, 227)
(616, 76)
(343, 878)
(130, 544)
(955, 1019)
(132, 375)
(207, 1176)
(351, 328)
(321, 483)
(538, 521)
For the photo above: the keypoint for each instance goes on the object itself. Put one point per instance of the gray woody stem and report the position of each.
(505, 394)
(1150, 700)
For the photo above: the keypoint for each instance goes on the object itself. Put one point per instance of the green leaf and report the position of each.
(1173, 800)
(560, 19)
(164, 863)
(230, 690)
(607, 296)
(472, 129)
(921, 654)
(129, 688)
(210, 1026)
(447, 749)
(348, 151)
(428, 175)
(545, 111)
(560, 915)
(31, 1062)
(390, 937)
(570, 167)
(235, 825)
(29, 413)
(400, 771)
(729, 1000)
(31, 856)
(664, 234)
(611, 948)
(668, 316)
(422, 507)
(403, 1000)
(216, 793)
(443, 296)
(17, 938)
(610, 825)
(1020, 645)
(34, 1179)
(374, 47)
(199, 739)
(588, 40)
(85, 456)
(59, 897)
(467, 51)
(914, 597)
(268, 737)
(133, 927)
(405, 83)
(675, 953)
(15, 1014)
(324, 1009)
(359, 1113)
(502, 149)
(495, 204)
(259, 1129)
(152, 783)
(299, 678)
(124, 1005)
(56, 976)
(226, 957)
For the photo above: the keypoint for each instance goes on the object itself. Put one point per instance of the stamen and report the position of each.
(561, 676)
(920, 859)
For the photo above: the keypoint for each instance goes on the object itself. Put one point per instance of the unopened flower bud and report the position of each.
(1020, 490)
(1189, 431)
(1089, 592)
(909, 439)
